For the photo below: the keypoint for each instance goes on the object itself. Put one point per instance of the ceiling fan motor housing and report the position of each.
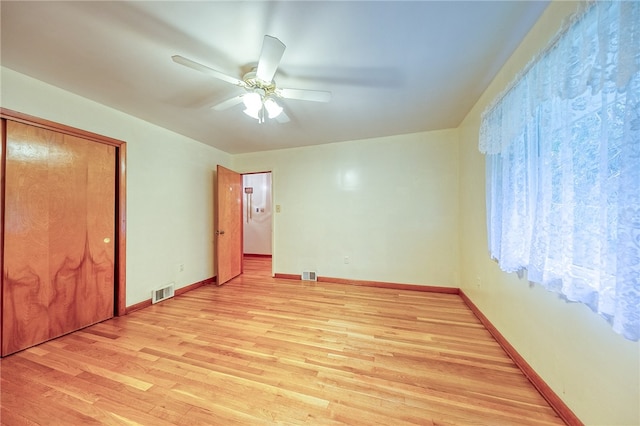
(254, 84)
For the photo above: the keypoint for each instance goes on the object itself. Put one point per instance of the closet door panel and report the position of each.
(99, 254)
(26, 293)
(59, 235)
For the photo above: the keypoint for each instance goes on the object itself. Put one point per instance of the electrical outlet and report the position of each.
(478, 282)
(181, 267)
(347, 259)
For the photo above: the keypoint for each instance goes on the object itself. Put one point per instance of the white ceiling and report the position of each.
(393, 67)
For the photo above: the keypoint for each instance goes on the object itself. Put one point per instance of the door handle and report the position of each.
(219, 232)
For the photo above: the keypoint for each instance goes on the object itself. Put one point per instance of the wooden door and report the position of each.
(228, 224)
(59, 232)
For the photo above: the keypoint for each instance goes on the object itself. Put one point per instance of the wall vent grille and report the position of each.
(309, 276)
(162, 293)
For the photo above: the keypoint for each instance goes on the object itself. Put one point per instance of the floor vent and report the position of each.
(309, 276)
(162, 293)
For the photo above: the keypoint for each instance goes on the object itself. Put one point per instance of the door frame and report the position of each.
(119, 291)
(241, 220)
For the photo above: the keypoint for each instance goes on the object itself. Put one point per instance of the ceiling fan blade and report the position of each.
(202, 68)
(228, 103)
(305, 95)
(272, 51)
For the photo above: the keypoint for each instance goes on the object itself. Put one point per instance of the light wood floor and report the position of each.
(262, 351)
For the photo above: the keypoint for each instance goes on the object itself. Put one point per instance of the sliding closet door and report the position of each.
(59, 223)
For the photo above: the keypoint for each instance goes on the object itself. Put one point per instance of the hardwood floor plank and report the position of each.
(260, 350)
(40, 404)
(12, 417)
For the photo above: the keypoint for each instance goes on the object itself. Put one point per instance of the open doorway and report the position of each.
(257, 215)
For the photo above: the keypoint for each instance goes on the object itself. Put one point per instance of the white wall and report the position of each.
(257, 229)
(595, 371)
(169, 184)
(389, 204)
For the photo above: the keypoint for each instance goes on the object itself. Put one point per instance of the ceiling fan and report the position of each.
(261, 95)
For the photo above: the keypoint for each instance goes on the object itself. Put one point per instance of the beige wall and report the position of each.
(595, 371)
(169, 185)
(389, 204)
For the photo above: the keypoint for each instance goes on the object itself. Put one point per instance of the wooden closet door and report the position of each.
(58, 236)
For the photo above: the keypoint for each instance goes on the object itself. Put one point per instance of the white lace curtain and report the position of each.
(563, 166)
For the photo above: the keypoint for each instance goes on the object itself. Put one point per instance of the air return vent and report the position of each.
(309, 276)
(162, 293)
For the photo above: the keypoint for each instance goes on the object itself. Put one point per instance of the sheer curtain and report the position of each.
(562, 146)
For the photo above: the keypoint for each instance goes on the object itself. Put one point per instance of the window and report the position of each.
(562, 147)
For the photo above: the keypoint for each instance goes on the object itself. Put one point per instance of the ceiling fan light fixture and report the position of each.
(272, 107)
(253, 113)
(252, 101)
